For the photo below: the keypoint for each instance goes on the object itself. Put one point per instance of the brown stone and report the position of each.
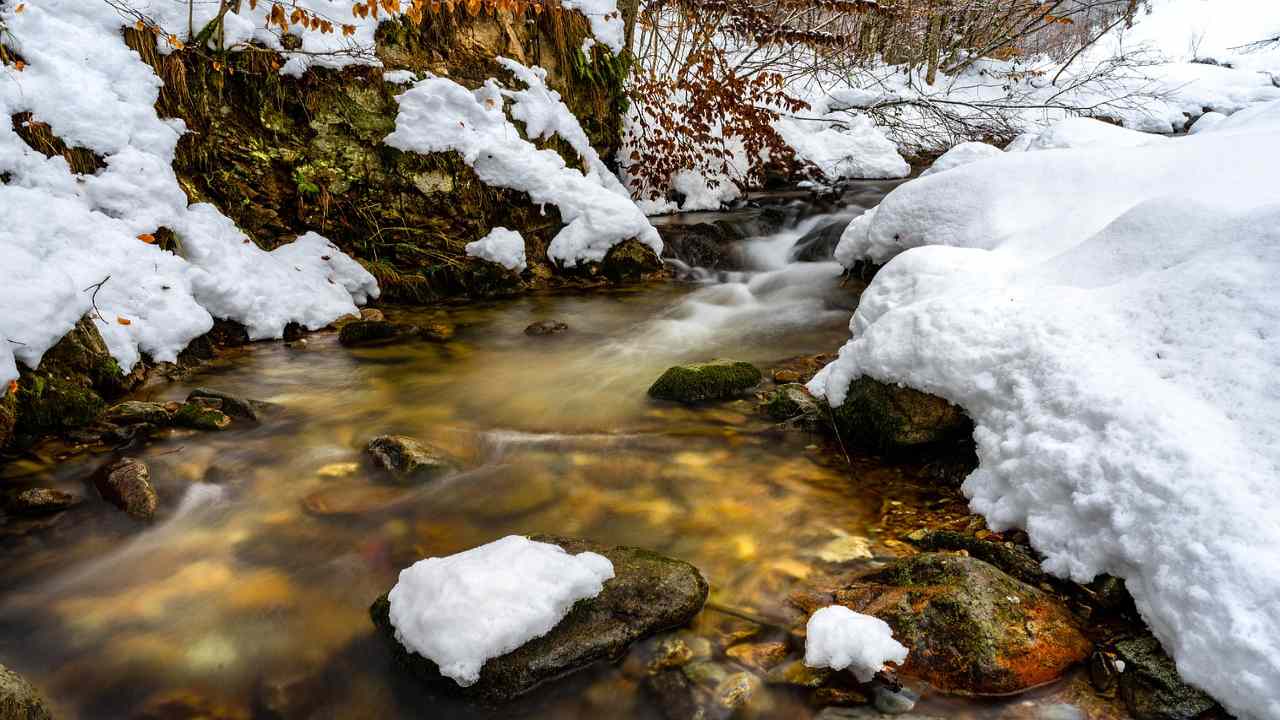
(127, 485)
(759, 655)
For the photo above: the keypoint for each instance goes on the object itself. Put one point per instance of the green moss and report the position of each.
(699, 382)
(198, 417)
(887, 418)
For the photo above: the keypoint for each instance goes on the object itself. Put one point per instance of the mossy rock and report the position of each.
(630, 260)
(700, 382)
(886, 417)
(792, 402)
(409, 460)
(649, 593)
(970, 628)
(365, 333)
(133, 412)
(19, 700)
(198, 416)
(1150, 686)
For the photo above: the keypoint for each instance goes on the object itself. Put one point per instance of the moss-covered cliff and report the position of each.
(283, 155)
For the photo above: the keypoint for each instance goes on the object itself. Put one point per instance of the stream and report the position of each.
(251, 589)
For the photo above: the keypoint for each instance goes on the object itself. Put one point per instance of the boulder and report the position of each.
(698, 382)
(39, 501)
(970, 628)
(235, 406)
(201, 415)
(886, 417)
(409, 460)
(126, 484)
(137, 412)
(364, 333)
(630, 260)
(18, 700)
(545, 327)
(649, 593)
(1150, 686)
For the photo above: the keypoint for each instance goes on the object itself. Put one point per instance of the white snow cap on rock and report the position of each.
(439, 115)
(75, 242)
(1081, 132)
(462, 610)
(1109, 319)
(839, 638)
(962, 154)
(606, 21)
(851, 148)
(502, 246)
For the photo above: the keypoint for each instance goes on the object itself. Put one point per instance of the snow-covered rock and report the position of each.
(1081, 132)
(855, 148)
(962, 154)
(502, 246)
(1108, 318)
(839, 638)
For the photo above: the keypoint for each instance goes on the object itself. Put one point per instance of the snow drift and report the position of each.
(1109, 319)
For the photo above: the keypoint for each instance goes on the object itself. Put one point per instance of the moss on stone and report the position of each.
(199, 417)
(699, 382)
(886, 417)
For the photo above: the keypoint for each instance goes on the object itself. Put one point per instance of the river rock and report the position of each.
(437, 332)
(970, 628)
(761, 656)
(39, 501)
(409, 460)
(630, 260)
(543, 328)
(235, 406)
(201, 415)
(18, 700)
(865, 713)
(127, 485)
(887, 417)
(363, 333)
(137, 412)
(372, 315)
(1150, 686)
(792, 402)
(698, 382)
(649, 593)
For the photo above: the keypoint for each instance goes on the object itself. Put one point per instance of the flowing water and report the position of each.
(251, 588)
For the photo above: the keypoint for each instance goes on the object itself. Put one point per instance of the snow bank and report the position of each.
(502, 246)
(439, 115)
(1081, 132)
(75, 242)
(962, 154)
(1108, 318)
(465, 609)
(839, 638)
(843, 147)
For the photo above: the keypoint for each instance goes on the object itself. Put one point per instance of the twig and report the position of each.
(94, 298)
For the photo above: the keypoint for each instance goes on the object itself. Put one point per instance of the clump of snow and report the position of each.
(1108, 318)
(853, 148)
(839, 638)
(1081, 132)
(606, 21)
(81, 244)
(502, 246)
(400, 77)
(439, 115)
(1207, 121)
(462, 610)
(962, 154)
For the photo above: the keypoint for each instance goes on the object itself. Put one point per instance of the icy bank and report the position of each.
(439, 115)
(839, 638)
(462, 610)
(76, 244)
(1108, 318)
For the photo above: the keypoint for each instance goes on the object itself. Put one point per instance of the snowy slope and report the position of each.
(64, 233)
(1108, 317)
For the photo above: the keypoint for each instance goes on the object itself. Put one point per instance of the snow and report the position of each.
(606, 21)
(1081, 132)
(1206, 121)
(839, 638)
(74, 243)
(854, 148)
(439, 115)
(400, 77)
(465, 609)
(962, 154)
(1107, 316)
(502, 246)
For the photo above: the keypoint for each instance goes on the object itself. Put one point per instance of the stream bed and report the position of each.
(249, 594)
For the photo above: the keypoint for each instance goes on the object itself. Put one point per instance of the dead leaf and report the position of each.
(147, 238)
(123, 320)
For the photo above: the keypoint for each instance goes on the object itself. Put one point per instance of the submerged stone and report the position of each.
(363, 333)
(39, 501)
(437, 332)
(409, 460)
(887, 417)
(699, 382)
(970, 628)
(232, 405)
(137, 412)
(18, 699)
(200, 416)
(127, 485)
(1150, 686)
(545, 327)
(649, 593)
(793, 402)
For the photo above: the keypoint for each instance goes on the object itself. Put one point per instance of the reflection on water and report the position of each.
(251, 589)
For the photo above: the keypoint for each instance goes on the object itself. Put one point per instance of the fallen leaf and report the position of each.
(13, 386)
(123, 320)
(19, 65)
(147, 238)
(20, 8)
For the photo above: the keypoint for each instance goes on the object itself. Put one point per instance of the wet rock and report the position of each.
(409, 460)
(786, 376)
(649, 593)
(352, 500)
(1012, 558)
(127, 485)
(18, 700)
(8, 416)
(759, 655)
(793, 403)
(706, 674)
(545, 327)
(825, 696)
(971, 629)
(675, 696)
(437, 332)
(39, 501)
(702, 245)
(894, 702)
(629, 260)
(198, 415)
(735, 692)
(137, 412)
(865, 713)
(235, 406)
(888, 417)
(698, 382)
(819, 245)
(678, 650)
(372, 315)
(288, 696)
(187, 705)
(1150, 686)
(364, 333)
(798, 674)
